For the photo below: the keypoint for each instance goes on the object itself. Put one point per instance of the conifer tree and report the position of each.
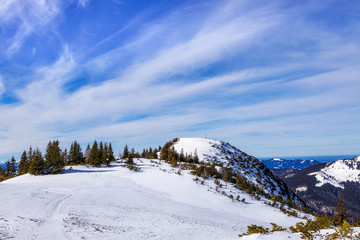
(126, 152)
(24, 164)
(54, 163)
(196, 157)
(154, 155)
(100, 153)
(87, 153)
(340, 212)
(2, 174)
(75, 154)
(110, 153)
(65, 156)
(105, 155)
(37, 163)
(13, 167)
(94, 155)
(30, 153)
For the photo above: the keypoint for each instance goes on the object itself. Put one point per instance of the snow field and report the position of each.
(115, 203)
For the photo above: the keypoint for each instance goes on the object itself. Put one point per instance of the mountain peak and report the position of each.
(335, 173)
(243, 167)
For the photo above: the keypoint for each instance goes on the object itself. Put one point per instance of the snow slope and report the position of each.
(247, 166)
(115, 203)
(338, 172)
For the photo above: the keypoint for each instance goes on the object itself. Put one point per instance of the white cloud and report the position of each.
(84, 3)
(263, 106)
(26, 18)
(2, 87)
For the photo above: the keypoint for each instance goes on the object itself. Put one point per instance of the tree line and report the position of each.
(54, 160)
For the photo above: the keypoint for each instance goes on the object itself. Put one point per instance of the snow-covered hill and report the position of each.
(338, 172)
(243, 165)
(320, 185)
(115, 203)
(278, 163)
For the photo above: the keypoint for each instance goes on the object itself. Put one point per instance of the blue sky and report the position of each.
(274, 78)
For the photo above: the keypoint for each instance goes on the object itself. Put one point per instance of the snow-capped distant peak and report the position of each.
(338, 172)
(277, 159)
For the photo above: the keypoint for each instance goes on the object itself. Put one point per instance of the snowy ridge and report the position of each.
(251, 168)
(338, 172)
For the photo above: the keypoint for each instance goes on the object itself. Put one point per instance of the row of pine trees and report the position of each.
(55, 159)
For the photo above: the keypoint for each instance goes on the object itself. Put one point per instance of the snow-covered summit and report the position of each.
(338, 172)
(201, 146)
(208, 150)
(241, 164)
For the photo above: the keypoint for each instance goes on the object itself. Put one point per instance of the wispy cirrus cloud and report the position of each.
(246, 73)
(20, 19)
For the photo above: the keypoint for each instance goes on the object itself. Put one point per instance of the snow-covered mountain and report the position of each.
(241, 164)
(339, 172)
(320, 185)
(278, 163)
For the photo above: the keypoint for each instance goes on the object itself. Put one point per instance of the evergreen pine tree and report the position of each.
(126, 152)
(105, 155)
(94, 155)
(12, 167)
(65, 156)
(154, 155)
(24, 164)
(2, 174)
(110, 154)
(196, 157)
(100, 153)
(54, 163)
(87, 153)
(76, 156)
(37, 163)
(340, 212)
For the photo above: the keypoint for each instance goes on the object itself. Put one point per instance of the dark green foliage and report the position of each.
(24, 164)
(54, 163)
(76, 156)
(149, 153)
(87, 153)
(277, 228)
(169, 154)
(164, 153)
(94, 156)
(125, 152)
(252, 229)
(340, 212)
(310, 228)
(110, 153)
(10, 169)
(37, 163)
(205, 171)
(344, 231)
(130, 160)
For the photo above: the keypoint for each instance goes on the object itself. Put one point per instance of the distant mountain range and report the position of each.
(320, 185)
(2, 163)
(278, 163)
